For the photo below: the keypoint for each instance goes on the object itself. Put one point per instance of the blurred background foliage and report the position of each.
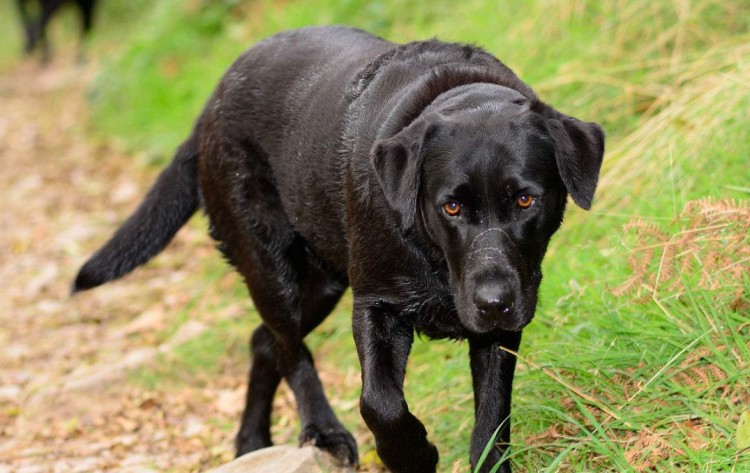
(609, 380)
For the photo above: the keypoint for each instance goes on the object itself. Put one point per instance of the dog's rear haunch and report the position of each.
(426, 176)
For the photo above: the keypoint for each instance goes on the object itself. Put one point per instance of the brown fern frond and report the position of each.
(712, 245)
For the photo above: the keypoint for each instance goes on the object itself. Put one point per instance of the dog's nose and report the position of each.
(493, 299)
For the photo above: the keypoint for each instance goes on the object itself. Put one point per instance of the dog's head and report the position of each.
(483, 175)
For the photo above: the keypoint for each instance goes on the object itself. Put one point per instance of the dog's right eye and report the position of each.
(452, 208)
(525, 201)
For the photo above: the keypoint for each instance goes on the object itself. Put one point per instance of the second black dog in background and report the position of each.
(35, 23)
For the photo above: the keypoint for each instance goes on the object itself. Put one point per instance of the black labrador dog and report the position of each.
(427, 176)
(35, 26)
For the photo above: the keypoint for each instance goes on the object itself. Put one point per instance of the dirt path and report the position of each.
(66, 402)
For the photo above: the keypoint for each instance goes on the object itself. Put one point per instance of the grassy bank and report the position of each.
(639, 357)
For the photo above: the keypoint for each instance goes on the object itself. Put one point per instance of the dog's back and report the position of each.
(281, 107)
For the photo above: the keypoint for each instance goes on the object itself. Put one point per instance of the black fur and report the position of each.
(325, 159)
(35, 26)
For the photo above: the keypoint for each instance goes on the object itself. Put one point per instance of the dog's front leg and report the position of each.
(492, 375)
(384, 339)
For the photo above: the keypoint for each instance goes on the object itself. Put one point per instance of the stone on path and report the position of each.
(283, 459)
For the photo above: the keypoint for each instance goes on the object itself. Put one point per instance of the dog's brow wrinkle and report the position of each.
(489, 248)
(493, 249)
(496, 229)
(513, 243)
(473, 254)
(473, 251)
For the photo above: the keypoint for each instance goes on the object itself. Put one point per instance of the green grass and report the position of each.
(12, 37)
(605, 382)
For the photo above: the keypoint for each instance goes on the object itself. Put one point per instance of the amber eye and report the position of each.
(452, 208)
(524, 201)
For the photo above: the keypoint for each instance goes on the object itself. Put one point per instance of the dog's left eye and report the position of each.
(525, 201)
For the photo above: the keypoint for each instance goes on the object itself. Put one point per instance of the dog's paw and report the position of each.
(424, 458)
(250, 443)
(411, 456)
(335, 440)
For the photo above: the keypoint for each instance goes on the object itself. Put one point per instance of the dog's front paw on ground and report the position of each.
(419, 459)
(335, 440)
(409, 456)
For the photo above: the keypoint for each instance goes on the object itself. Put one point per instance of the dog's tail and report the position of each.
(172, 200)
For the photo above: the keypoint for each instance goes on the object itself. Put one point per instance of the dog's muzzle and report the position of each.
(492, 284)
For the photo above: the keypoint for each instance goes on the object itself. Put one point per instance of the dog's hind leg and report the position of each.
(264, 375)
(28, 26)
(292, 289)
(293, 310)
(87, 21)
(49, 8)
(255, 430)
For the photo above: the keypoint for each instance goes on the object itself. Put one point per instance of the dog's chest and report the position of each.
(430, 304)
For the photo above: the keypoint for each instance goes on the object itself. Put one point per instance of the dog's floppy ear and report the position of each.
(397, 162)
(579, 149)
